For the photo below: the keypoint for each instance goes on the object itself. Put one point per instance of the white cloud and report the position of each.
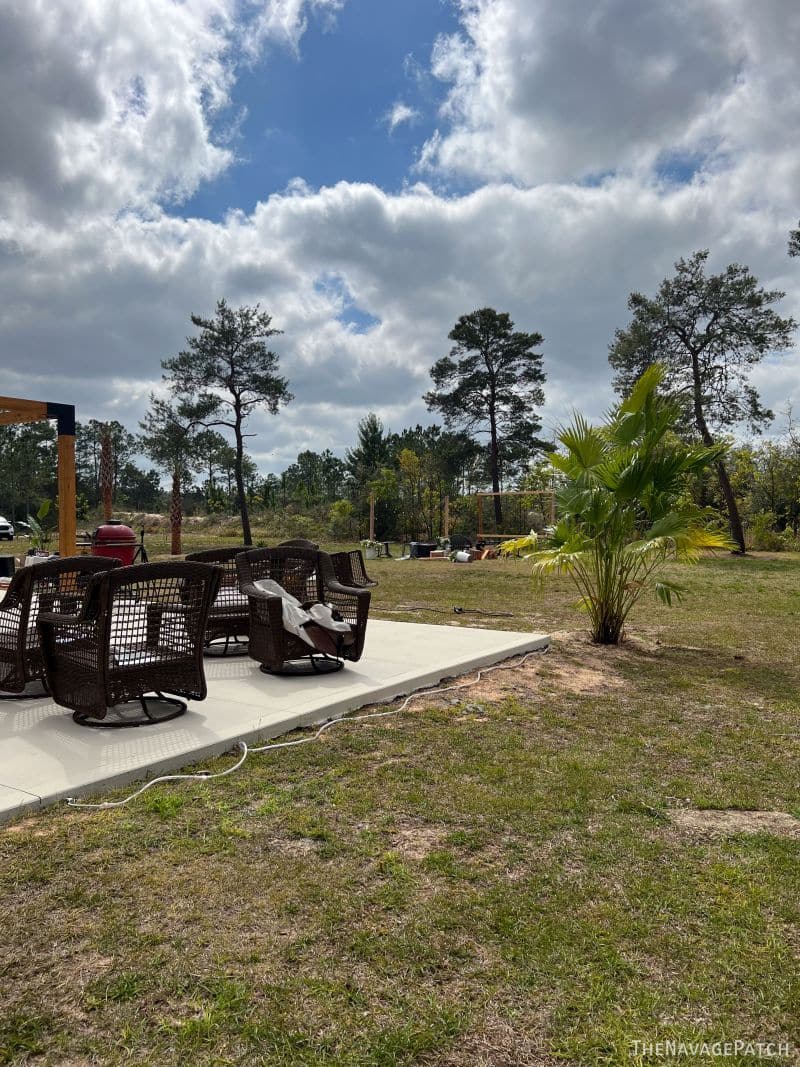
(400, 113)
(559, 92)
(105, 122)
(101, 115)
(561, 260)
(107, 109)
(283, 21)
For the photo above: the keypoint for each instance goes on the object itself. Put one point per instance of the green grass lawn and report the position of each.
(497, 880)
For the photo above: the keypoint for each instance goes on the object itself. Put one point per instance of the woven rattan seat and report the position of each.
(350, 569)
(228, 623)
(140, 632)
(307, 575)
(55, 585)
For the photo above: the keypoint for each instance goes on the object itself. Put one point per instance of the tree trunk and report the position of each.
(247, 537)
(494, 468)
(176, 513)
(734, 518)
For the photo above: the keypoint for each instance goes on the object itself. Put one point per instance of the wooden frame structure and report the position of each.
(514, 492)
(13, 410)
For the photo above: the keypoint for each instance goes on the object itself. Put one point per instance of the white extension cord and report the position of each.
(207, 776)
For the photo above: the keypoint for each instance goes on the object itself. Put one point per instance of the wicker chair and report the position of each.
(229, 617)
(141, 631)
(350, 570)
(347, 566)
(57, 585)
(307, 575)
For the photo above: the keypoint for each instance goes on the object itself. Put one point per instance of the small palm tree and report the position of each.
(622, 515)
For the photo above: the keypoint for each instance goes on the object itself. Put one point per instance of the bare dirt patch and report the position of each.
(293, 846)
(30, 826)
(572, 663)
(417, 840)
(721, 823)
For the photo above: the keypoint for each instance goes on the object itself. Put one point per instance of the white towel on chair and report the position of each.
(295, 617)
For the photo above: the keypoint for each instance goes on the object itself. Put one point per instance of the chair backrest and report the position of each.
(350, 570)
(294, 568)
(54, 585)
(174, 597)
(229, 596)
(215, 555)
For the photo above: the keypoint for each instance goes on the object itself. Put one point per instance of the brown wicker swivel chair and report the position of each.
(229, 617)
(141, 631)
(307, 575)
(347, 566)
(55, 585)
(350, 569)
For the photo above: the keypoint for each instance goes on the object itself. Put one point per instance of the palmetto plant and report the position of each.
(622, 513)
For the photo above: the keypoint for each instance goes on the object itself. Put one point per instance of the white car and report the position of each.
(6, 530)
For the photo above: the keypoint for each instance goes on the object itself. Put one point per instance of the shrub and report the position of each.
(622, 512)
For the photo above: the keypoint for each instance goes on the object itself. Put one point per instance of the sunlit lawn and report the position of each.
(493, 881)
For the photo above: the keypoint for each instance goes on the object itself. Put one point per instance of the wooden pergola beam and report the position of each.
(38, 408)
(16, 410)
(9, 418)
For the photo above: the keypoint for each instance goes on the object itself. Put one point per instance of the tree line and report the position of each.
(706, 330)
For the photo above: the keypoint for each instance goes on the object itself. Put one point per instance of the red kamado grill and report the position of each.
(116, 540)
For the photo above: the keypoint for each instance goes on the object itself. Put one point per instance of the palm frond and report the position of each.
(665, 591)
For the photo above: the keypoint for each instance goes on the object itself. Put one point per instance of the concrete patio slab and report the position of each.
(45, 756)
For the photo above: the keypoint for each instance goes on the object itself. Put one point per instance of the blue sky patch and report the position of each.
(325, 114)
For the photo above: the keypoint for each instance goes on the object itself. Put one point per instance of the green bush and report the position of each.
(763, 536)
(340, 520)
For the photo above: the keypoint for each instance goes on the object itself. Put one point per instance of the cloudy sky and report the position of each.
(369, 170)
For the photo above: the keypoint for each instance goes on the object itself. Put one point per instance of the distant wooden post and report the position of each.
(106, 472)
(372, 516)
(446, 530)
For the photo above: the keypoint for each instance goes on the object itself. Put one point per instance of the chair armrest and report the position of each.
(253, 591)
(347, 590)
(55, 618)
(10, 603)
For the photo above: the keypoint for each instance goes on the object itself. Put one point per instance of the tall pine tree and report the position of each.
(707, 331)
(491, 383)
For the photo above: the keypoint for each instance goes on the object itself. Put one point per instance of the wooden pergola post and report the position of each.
(14, 410)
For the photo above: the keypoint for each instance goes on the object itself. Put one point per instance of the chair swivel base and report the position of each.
(225, 646)
(155, 708)
(306, 665)
(23, 694)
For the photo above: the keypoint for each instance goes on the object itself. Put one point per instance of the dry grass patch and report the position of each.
(499, 1043)
(417, 840)
(709, 823)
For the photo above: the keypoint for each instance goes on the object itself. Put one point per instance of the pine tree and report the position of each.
(490, 383)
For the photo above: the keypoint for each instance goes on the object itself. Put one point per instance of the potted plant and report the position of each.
(372, 549)
(41, 531)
